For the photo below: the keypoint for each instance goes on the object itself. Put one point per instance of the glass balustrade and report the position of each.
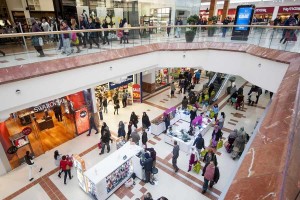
(19, 50)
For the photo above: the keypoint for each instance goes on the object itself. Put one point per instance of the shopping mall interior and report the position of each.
(200, 99)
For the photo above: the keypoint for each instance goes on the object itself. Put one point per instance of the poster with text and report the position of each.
(82, 120)
(244, 18)
(118, 16)
(101, 13)
(136, 92)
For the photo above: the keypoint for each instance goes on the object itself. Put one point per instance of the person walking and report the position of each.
(184, 103)
(35, 40)
(135, 137)
(57, 159)
(194, 158)
(211, 175)
(124, 99)
(46, 27)
(178, 29)
(116, 107)
(221, 120)
(134, 119)
(66, 39)
(144, 138)
(226, 21)
(216, 136)
(210, 156)
(167, 122)
(126, 31)
(105, 138)
(104, 103)
(197, 76)
(129, 130)
(92, 35)
(75, 38)
(193, 114)
(259, 92)
(172, 90)
(98, 26)
(121, 129)
(199, 143)
(83, 24)
(92, 125)
(175, 156)
(105, 38)
(145, 121)
(169, 28)
(65, 165)
(30, 163)
(216, 111)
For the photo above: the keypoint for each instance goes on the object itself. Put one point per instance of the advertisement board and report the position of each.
(127, 80)
(82, 120)
(136, 92)
(289, 9)
(244, 15)
(264, 10)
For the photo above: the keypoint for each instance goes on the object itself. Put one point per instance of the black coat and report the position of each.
(134, 119)
(148, 163)
(146, 121)
(144, 138)
(216, 174)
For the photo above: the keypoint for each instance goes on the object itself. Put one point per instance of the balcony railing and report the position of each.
(19, 50)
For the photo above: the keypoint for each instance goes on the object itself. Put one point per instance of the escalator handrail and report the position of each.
(222, 86)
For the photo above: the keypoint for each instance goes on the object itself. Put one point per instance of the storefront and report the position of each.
(119, 87)
(263, 14)
(285, 11)
(165, 76)
(43, 127)
(231, 13)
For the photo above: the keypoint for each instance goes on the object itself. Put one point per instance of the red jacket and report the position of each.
(64, 163)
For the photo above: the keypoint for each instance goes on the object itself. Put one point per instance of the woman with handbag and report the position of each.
(37, 41)
(75, 39)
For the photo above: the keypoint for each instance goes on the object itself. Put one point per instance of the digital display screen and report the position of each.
(244, 18)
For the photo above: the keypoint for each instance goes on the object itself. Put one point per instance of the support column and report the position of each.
(225, 9)
(212, 7)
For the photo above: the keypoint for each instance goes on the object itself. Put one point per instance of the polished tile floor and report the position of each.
(174, 186)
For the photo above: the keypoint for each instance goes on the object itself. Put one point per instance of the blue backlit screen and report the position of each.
(243, 18)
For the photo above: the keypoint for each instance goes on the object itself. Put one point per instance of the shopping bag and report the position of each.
(100, 145)
(220, 144)
(120, 34)
(197, 167)
(41, 42)
(204, 152)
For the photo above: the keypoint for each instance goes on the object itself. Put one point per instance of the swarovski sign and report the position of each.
(48, 105)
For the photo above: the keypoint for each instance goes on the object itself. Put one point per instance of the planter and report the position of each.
(189, 36)
(210, 32)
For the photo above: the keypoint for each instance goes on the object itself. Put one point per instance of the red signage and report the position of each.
(26, 131)
(230, 11)
(264, 10)
(82, 120)
(289, 9)
(136, 92)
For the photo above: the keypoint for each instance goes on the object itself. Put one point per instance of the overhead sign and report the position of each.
(264, 10)
(48, 105)
(289, 9)
(125, 81)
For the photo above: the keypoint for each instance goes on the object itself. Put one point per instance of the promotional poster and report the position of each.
(82, 120)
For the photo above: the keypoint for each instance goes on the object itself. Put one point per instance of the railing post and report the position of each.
(23, 37)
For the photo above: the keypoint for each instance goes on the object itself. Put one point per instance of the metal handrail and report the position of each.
(212, 79)
(142, 28)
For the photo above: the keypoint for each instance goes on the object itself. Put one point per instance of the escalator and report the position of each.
(218, 82)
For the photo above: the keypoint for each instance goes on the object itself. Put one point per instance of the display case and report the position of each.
(158, 125)
(184, 140)
(25, 118)
(108, 175)
(19, 140)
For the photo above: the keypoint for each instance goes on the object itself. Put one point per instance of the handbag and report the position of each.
(100, 145)
(197, 167)
(76, 42)
(41, 42)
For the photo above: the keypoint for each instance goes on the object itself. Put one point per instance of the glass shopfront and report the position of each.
(43, 127)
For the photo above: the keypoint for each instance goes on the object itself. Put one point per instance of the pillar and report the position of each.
(225, 9)
(212, 7)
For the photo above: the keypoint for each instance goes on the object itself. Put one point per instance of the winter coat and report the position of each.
(175, 151)
(121, 130)
(146, 121)
(135, 137)
(199, 142)
(215, 173)
(144, 138)
(184, 103)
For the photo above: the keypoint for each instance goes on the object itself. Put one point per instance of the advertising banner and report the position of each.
(118, 16)
(82, 120)
(101, 13)
(136, 92)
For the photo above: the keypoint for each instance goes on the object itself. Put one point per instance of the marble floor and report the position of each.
(18, 55)
(174, 186)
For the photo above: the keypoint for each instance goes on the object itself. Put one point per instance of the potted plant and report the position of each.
(212, 21)
(191, 32)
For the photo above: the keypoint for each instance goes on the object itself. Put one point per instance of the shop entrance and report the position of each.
(44, 127)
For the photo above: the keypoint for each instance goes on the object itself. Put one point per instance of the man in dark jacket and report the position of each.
(259, 92)
(144, 137)
(211, 174)
(175, 156)
(105, 138)
(35, 40)
(105, 38)
(147, 164)
(193, 114)
(199, 143)
(83, 24)
(93, 35)
(92, 125)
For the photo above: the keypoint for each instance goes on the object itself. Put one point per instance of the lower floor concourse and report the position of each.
(168, 183)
